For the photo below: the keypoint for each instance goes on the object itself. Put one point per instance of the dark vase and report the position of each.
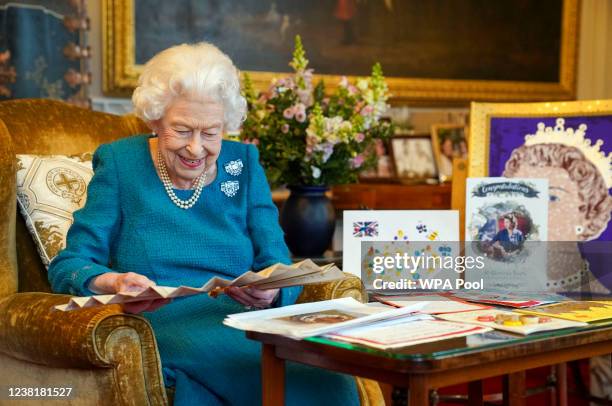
(308, 219)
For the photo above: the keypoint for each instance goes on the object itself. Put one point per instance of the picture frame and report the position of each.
(449, 142)
(497, 130)
(384, 172)
(128, 31)
(413, 158)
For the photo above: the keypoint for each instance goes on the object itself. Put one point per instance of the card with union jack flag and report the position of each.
(365, 228)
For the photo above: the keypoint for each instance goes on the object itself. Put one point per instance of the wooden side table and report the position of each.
(429, 366)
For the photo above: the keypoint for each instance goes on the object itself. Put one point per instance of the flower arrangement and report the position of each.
(306, 137)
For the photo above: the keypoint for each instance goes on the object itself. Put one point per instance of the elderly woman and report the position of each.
(177, 208)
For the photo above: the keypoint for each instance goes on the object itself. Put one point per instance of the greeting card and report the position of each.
(506, 223)
(413, 233)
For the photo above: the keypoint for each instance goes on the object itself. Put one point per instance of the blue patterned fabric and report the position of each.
(129, 221)
(35, 35)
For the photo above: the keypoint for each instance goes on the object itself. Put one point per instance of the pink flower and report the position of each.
(325, 101)
(311, 142)
(253, 141)
(359, 106)
(308, 74)
(343, 82)
(359, 137)
(305, 96)
(288, 113)
(300, 116)
(285, 128)
(352, 89)
(357, 161)
(367, 110)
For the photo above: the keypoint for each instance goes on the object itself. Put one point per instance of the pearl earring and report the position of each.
(579, 230)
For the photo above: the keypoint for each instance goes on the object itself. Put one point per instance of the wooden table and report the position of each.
(424, 367)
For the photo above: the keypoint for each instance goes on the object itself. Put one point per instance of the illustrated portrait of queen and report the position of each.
(579, 176)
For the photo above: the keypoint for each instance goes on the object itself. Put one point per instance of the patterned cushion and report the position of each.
(49, 189)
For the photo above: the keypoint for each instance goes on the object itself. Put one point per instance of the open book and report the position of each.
(276, 276)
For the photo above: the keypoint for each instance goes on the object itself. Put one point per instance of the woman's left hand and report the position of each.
(252, 297)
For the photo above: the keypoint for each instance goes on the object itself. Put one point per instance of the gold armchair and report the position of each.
(108, 357)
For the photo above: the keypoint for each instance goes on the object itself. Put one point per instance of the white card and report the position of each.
(506, 220)
(400, 226)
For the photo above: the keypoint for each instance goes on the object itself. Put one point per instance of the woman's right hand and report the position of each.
(116, 282)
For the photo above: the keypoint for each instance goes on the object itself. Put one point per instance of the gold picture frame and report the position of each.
(120, 71)
(481, 115)
(445, 168)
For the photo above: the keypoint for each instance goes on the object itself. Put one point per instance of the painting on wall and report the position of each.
(431, 50)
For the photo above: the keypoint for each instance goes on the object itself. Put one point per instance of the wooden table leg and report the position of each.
(561, 373)
(514, 389)
(418, 390)
(475, 393)
(272, 377)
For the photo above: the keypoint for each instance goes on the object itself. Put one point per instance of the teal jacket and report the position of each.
(129, 221)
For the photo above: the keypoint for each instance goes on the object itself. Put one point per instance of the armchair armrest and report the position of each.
(32, 330)
(100, 338)
(350, 286)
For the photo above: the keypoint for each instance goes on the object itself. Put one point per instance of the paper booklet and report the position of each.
(436, 303)
(504, 220)
(511, 321)
(501, 298)
(400, 333)
(276, 276)
(318, 318)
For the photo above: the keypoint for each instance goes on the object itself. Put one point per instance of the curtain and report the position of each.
(42, 50)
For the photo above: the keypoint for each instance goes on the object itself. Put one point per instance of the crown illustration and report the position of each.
(575, 138)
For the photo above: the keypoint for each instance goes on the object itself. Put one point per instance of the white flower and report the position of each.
(316, 172)
(363, 84)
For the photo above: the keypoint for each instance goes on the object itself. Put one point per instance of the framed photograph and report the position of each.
(384, 172)
(526, 50)
(413, 158)
(449, 142)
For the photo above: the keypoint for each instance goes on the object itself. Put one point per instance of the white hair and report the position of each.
(194, 70)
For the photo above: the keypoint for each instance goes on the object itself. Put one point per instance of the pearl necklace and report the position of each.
(198, 183)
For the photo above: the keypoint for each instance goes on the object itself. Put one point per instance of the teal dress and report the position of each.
(129, 222)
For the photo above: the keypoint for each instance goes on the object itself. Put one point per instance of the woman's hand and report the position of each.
(115, 282)
(252, 297)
